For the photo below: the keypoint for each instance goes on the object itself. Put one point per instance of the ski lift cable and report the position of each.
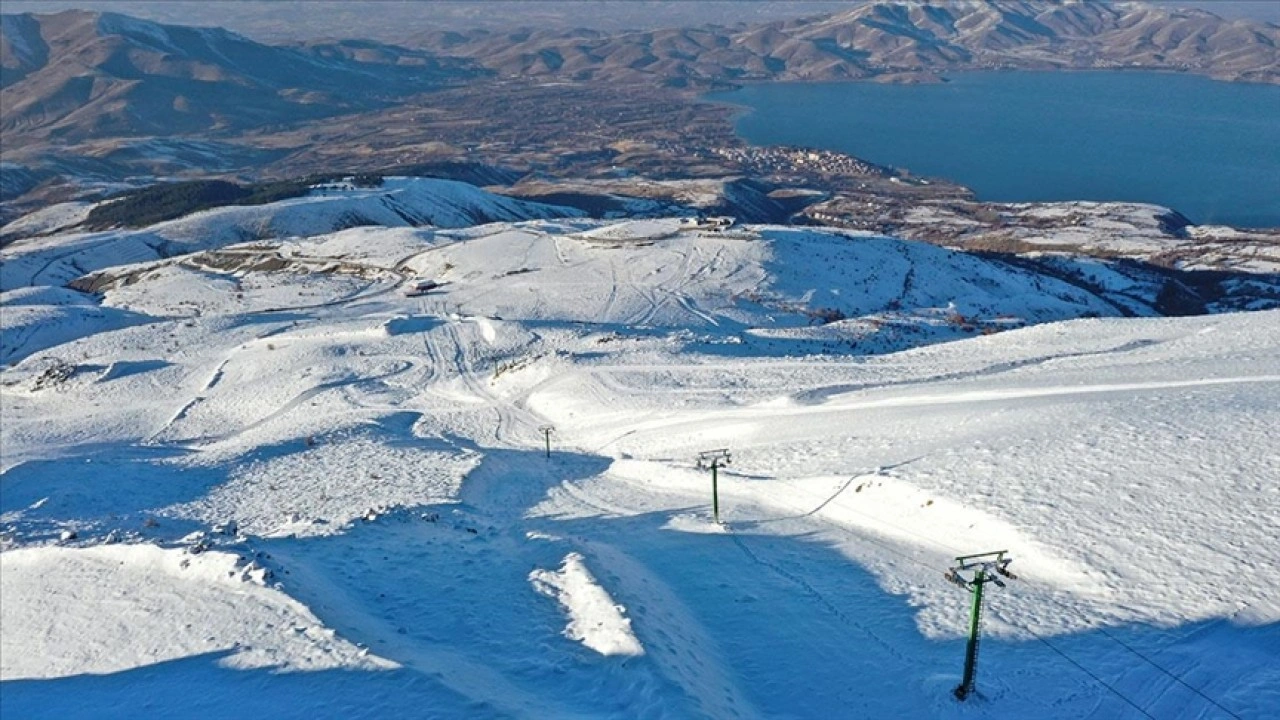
(1105, 634)
(1153, 664)
(1088, 672)
(933, 568)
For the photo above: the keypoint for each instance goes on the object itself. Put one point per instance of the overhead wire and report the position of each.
(1088, 672)
(1106, 634)
(1153, 664)
(917, 561)
(938, 545)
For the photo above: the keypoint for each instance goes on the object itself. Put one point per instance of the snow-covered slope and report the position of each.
(295, 491)
(47, 220)
(38, 318)
(760, 281)
(400, 202)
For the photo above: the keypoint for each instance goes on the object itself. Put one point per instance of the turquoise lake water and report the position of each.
(1208, 149)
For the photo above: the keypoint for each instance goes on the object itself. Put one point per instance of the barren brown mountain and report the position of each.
(897, 40)
(104, 97)
(76, 75)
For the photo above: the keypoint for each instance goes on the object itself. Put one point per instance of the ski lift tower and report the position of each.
(985, 568)
(546, 431)
(714, 460)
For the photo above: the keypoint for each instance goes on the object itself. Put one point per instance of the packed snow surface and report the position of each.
(287, 489)
(110, 608)
(595, 619)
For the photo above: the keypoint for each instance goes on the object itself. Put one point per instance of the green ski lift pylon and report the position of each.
(714, 459)
(985, 568)
(546, 431)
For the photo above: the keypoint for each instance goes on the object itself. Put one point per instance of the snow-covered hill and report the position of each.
(400, 202)
(779, 290)
(289, 479)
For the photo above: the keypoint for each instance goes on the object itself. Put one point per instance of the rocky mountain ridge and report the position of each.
(891, 40)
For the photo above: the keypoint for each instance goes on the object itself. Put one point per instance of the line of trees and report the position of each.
(166, 201)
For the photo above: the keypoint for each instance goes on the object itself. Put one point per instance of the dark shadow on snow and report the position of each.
(204, 686)
(802, 629)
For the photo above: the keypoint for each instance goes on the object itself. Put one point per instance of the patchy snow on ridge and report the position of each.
(49, 219)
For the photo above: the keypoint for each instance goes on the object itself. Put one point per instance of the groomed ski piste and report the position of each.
(308, 489)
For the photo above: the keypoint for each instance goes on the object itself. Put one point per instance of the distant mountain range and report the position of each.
(77, 75)
(912, 39)
(88, 99)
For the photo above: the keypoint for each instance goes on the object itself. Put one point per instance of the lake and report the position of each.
(1208, 149)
